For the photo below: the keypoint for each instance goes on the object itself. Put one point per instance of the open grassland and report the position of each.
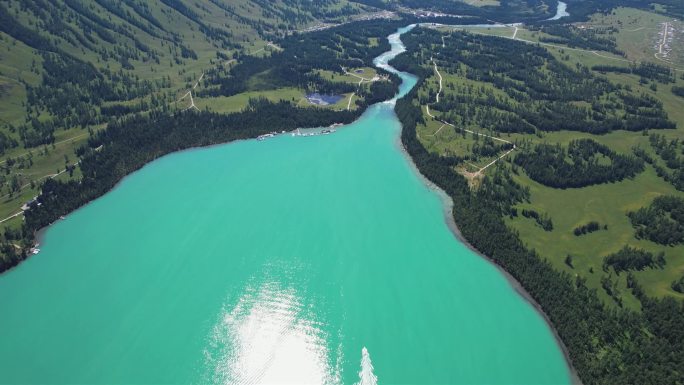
(228, 104)
(353, 75)
(483, 3)
(638, 34)
(444, 140)
(18, 62)
(606, 203)
(45, 161)
(493, 31)
(235, 103)
(500, 31)
(663, 92)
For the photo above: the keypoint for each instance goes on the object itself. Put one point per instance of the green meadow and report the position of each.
(607, 203)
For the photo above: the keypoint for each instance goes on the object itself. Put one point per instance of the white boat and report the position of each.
(265, 136)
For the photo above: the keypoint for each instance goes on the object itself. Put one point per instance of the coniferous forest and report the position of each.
(547, 164)
(135, 139)
(606, 345)
(128, 144)
(531, 92)
(662, 221)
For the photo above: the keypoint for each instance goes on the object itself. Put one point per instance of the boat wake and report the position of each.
(270, 336)
(366, 376)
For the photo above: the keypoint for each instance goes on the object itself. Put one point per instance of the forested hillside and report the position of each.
(616, 330)
(528, 11)
(582, 202)
(87, 96)
(605, 140)
(75, 63)
(69, 67)
(504, 11)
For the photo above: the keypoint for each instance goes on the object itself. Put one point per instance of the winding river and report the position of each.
(322, 259)
(561, 11)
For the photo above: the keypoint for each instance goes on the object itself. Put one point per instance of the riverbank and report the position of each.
(449, 220)
(515, 284)
(236, 141)
(126, 146)
(448, 213)
(254, 228)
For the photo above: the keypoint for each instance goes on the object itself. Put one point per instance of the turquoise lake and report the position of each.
(274, 261)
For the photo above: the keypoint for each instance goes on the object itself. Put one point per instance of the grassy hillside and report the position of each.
(587, 210)
(637, 33)
(68, 67)
(164, 43)
(496, 103)
(72, 70)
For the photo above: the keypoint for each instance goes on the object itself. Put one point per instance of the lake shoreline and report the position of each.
(447, 206)
(39, 238)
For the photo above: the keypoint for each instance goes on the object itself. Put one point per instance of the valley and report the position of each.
(550, 136)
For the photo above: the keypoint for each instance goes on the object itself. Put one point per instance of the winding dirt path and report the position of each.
(440, 78)
(58, 143)
(362, 79)
(192, 101)
(445, 123)
(438, 130)
(12, 216)
(198, 81)
(49, 176)
(350, 100)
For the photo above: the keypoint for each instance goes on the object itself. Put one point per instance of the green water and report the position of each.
(272, 261)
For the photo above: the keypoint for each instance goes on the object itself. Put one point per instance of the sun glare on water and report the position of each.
(268, 339)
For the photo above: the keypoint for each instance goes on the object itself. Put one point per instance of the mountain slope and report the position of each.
(126, 50)
(67, 67)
